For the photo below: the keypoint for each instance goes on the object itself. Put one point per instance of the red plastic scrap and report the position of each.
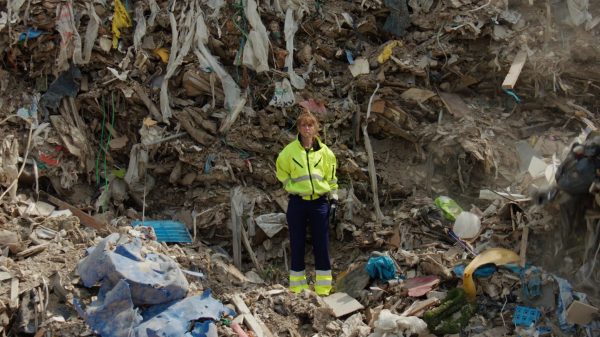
(52, 158)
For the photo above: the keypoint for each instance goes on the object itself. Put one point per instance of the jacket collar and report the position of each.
(316, 143)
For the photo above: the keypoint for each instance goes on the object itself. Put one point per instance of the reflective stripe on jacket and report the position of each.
(308, 173)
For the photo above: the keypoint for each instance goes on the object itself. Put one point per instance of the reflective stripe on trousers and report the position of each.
(298, 281)
(323, 282)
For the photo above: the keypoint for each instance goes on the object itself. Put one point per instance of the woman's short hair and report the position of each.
(307, 117)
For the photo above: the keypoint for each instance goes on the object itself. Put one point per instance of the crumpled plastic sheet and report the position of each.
(140, 27)
(173, 320)
(256, 48)
(153, 279)
(64, 85)
(231, 90)
(70, 43)
(115, 316)
(566, 296)
(120, 20)
(91, 33)
(290, 28)
(381, 268)
(389, 324)
(182, 39)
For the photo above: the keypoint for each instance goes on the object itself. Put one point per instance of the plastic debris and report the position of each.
(283, 96)
(448, 206)
(442, 320)
(167, 230)
(30, 34)
(112, 315)
(486, 270)
(525, 316)
(498, 256)
(120, 20)
(388, 51)
(467, 225)
(271, 223)
(389, 324)
(153, 278)
(173, 320)
(256, 48)
(381, 268)
(399, 18)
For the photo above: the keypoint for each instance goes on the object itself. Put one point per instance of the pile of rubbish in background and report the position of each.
(143, 135)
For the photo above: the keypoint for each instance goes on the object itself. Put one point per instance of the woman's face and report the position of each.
(307, 129)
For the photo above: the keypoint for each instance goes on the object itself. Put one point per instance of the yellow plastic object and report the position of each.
(120, 20)
(387, 51)
(497, 256)
(163, 53)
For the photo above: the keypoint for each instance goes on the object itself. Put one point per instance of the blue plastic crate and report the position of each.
(525, 316)
(167, 230)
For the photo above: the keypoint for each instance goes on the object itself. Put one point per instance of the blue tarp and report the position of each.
(129, 278)
(114, 315)
(153, 278)
(173, 320)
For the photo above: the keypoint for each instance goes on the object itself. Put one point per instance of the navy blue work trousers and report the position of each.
(301, 214)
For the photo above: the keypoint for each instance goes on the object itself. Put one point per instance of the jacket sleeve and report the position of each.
(331, 176)
(283, 168)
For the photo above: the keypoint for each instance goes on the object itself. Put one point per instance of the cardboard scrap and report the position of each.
(360, 67)
(581, 313)
(342, 304)
(417, 95)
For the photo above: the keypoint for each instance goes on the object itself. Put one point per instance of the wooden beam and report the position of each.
(85, 218)
(14, 293)
(523, 250)
(236, 226)
(515, 70)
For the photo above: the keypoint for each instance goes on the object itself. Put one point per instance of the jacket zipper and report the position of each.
(309, 175)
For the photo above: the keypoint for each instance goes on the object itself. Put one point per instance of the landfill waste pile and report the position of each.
(138, 194)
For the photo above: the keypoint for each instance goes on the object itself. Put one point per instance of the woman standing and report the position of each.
(306, 168)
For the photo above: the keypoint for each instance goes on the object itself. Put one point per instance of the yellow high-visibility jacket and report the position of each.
(308, 173)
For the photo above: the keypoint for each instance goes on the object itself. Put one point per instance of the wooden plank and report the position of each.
(515, 70)
(236, 227)
(523, 250)
(14, 293)
(254, 323)
(85, 218)
(455, 105)
(249, 249)
(418, 307)
(5, 276)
